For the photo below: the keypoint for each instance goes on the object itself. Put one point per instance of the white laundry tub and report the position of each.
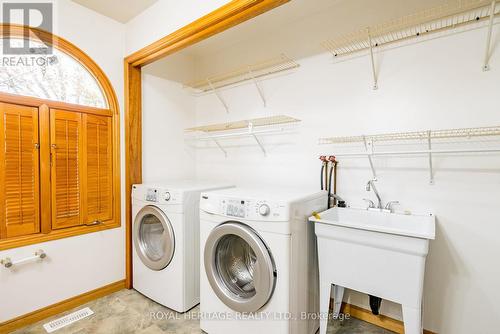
(375, 252)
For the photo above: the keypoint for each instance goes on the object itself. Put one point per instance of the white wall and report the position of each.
(167, 111)
(163, 18)
(436, 84)
(78, 264)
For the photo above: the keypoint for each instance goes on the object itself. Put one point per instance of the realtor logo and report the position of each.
(35, 15)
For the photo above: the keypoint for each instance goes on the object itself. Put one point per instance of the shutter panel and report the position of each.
(99, 168)
(19, 171)
(66, 171)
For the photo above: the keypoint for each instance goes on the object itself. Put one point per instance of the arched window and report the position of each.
(58, 77)
(59, 142)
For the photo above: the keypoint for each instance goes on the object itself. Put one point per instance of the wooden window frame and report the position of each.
(44, 106)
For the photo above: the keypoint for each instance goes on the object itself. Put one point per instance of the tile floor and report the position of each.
(128, 311)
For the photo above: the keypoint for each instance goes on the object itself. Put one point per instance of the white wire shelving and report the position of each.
(450, 15)
(248, 73)
(462, 138)
(252, 128)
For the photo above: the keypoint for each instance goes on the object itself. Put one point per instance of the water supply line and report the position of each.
(333, 170)
(324, 166)
(328, 175)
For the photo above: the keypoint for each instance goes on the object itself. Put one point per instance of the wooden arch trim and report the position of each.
(223, 18)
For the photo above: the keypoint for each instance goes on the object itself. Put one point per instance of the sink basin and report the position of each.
(376, 252)
(418, 226)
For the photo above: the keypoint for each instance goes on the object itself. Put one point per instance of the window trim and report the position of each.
(47, 234)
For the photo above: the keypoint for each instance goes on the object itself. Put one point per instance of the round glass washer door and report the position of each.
(239, 267)
(154, 239)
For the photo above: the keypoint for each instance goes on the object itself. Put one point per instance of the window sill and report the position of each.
(55, 235)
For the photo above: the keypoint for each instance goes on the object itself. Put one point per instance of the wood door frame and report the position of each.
(223, 18)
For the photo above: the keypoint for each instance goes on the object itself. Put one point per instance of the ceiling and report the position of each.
(329, 17)
(119, 10)
(296, 29)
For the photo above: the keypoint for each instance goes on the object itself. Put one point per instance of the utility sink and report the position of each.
(418, 226)
(376, 252)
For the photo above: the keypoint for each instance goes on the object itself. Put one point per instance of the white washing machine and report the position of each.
(165, 237)
(259, 271)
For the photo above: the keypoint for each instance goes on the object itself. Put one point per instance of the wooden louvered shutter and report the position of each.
(66, 172)
(19, 166)
(98, 153)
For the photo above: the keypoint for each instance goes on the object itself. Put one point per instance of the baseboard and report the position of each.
(382, 321)
(65, 305)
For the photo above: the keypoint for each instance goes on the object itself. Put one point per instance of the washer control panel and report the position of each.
(164, 196)
(152, 195)
(253, 209)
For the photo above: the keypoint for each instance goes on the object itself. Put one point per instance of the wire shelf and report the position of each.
(447, 16)
(416, 135)
(245, 124)
(243, 74)
(435, 142)
(239, 129)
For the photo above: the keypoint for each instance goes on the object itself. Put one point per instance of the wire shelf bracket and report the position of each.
(219, 96)
(429, 146)
(369, 154)
(374, 72)
(257, 85)
(216, 141)
(486, 66)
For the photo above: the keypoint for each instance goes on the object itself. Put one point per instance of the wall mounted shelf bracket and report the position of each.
(250, 130)
(369, 153)
(429, 146)
(219, 96)
(220, 146)
(486, 66)
(257, 85)
(374, 72)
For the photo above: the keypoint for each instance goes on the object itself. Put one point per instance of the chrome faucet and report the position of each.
(371, 186)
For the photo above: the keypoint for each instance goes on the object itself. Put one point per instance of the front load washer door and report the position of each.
(239, 267)
(153, 238)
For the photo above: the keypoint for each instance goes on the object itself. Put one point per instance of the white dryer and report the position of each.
(165, 236)
(259, 271)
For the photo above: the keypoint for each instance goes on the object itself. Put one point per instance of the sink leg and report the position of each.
(324, 305)
(412, 318)
(338, 295)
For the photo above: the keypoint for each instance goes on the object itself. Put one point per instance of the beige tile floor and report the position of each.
(128, 311)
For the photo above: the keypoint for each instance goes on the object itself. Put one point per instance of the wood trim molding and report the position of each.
(56, 234)
(223, 18)
(60, 307)
(382, 321)
(133, 153)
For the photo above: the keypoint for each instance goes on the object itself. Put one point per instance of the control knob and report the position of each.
(264, 210)
(167, 196)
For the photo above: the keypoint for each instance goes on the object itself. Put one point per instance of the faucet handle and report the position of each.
(389, 206)
(371, 204)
